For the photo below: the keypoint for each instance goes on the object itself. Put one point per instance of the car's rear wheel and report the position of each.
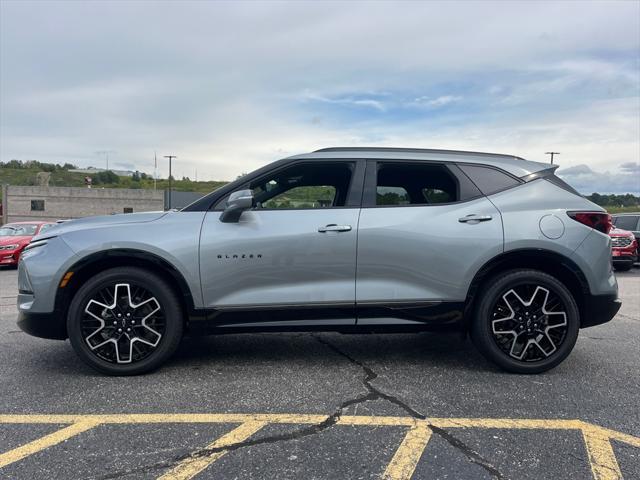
(125, 321)
(526, 321)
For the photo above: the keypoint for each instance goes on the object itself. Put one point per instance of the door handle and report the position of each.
(474, 218)
(332, 227)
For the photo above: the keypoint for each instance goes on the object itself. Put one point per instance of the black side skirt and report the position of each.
(367, 317)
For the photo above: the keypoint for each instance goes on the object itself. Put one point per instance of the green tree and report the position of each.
(104, 178)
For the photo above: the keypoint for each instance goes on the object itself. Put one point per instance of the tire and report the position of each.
(521, 338)
(148, 308)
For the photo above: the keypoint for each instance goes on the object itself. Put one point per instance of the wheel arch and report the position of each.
(107, 259)
(552, 263)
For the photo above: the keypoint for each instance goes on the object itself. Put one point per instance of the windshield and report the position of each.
(17, 230)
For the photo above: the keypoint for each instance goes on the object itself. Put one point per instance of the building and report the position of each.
(57, 203)
(94, 170)
(180, 199)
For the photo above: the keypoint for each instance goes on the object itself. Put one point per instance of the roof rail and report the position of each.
(412, 150)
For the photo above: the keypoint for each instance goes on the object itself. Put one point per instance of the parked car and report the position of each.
(624, 249)
(341, 239)
(629, 222)
(15, 236)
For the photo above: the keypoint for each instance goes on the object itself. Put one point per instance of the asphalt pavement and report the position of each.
(323, 405)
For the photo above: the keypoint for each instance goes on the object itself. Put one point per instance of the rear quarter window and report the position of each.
(489, 180)
(557, 181)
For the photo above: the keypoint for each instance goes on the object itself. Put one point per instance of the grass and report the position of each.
(631, 209)
(65, 178)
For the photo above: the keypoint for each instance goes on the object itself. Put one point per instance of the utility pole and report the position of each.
(106, 155)
(155, 170)
(170, 157)
(552, 154)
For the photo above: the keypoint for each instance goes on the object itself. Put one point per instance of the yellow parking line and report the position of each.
(507, 423)
(597, 439)
(193, 465)
(619, 436)
(604, 465)
(45, 442)
(408, 455)
(36, 418)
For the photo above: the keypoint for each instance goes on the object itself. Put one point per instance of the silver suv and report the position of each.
(342, 239)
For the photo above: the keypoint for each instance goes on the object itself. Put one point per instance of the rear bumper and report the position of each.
(43, 325)
(624, 260)
(599, 309)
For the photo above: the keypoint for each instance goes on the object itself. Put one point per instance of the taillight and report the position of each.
(600, 221)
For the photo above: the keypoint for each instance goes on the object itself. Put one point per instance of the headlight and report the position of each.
(38, 243)
(9, 247)
(24, 282)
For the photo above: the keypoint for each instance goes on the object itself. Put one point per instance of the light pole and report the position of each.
(552, 154)
(170, 157)
(106, 155)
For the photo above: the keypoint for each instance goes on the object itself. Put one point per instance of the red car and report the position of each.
(15, 236)
(624, 247)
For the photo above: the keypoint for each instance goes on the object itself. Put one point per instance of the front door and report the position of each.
(296, 248)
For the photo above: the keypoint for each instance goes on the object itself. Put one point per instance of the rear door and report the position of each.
(296, 248)
(425, 230)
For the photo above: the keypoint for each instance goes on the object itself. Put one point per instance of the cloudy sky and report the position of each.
(231, 86)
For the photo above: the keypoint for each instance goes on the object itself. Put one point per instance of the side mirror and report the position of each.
(238, 202)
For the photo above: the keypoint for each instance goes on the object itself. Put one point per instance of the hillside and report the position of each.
(18, 173)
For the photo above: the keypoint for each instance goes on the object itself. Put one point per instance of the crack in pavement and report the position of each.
(377, 394)
(372, 394)
(205, 452)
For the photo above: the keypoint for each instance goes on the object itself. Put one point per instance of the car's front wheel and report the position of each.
(526, 321)
(125, 321)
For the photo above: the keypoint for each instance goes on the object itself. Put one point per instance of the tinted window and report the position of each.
(321, 196)
(489, 180)
(392, 196)
(309, 185)
(46, 226)
(415, 184)
(562, 184)
(626, 222)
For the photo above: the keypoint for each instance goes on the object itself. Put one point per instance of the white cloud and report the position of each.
(359, 102)
(436, 102)
(632, 168)
(583, 179)
(218, 83)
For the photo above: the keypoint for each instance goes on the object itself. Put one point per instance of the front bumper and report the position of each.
(9, 258)
(599, 309)
(43, 325)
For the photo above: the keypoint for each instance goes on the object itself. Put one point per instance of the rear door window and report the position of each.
(391, 196)
(415, 184)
